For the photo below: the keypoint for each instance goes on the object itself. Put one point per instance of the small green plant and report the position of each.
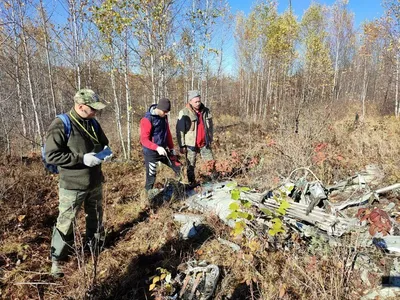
(284, 204)
(239, 209)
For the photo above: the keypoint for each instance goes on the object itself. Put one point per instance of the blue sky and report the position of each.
(363, 9)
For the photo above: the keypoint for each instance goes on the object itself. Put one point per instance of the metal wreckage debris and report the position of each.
(327, 208)
(198, 280)
(354, 205)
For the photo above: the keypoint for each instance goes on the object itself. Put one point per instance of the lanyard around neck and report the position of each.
(93, 137)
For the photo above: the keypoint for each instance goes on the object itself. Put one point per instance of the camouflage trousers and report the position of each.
(70, 202)
(206, 154)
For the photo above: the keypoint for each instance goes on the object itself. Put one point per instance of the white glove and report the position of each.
(90, 160)
(161, 151)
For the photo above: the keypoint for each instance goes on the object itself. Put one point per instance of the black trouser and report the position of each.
(151, 159)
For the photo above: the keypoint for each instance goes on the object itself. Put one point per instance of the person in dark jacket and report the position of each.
(156, 140)
(80, 174)
(194, 131)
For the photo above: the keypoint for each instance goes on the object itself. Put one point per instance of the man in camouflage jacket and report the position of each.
(194, 131)
(80, 174)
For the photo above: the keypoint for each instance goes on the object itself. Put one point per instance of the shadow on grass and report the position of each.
(118, 234)
(244, 292)
(133, 284)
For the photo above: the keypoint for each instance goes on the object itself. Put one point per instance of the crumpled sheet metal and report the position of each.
(364, 198)
(332, 224)
(216, 199)
(199, 281)
(190, 224)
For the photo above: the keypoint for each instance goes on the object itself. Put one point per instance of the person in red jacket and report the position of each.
(156, 140)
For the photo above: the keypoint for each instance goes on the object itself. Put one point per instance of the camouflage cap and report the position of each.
(89, 98)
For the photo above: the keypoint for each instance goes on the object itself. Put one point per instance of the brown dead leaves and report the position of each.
(379, 220)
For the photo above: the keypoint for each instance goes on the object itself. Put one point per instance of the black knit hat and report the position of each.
(164, 104)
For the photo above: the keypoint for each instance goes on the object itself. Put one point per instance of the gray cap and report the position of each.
(193, 94)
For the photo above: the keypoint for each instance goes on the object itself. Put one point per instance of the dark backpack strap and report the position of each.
(67, 124)
(95, 125)
(67, 131)
(152, 126)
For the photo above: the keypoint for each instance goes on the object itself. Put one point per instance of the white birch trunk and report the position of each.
(255, 101)
(117, 111)
(128, 99)
(192, 52)
(17, 74)
(49, 67)
(29, 76)
(261, 98)
(152, 59)
(76, 43)
(365, 87)
(335, 80)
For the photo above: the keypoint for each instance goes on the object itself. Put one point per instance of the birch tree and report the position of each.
(342, 41)
(19, 6)
(392, 24)
(112, 19)
(317, 63)
(15, 34)
(203, 19)
(48, 61)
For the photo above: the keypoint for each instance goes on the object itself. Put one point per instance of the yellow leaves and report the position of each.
(164, 278)
(156, 279)
(239, 228)
(21, 218)
(281, 35)
(107, 57)
(254, 245)
(102, 273)
(313, 17)
(248, 257)
(282, 290)
(113, 17)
